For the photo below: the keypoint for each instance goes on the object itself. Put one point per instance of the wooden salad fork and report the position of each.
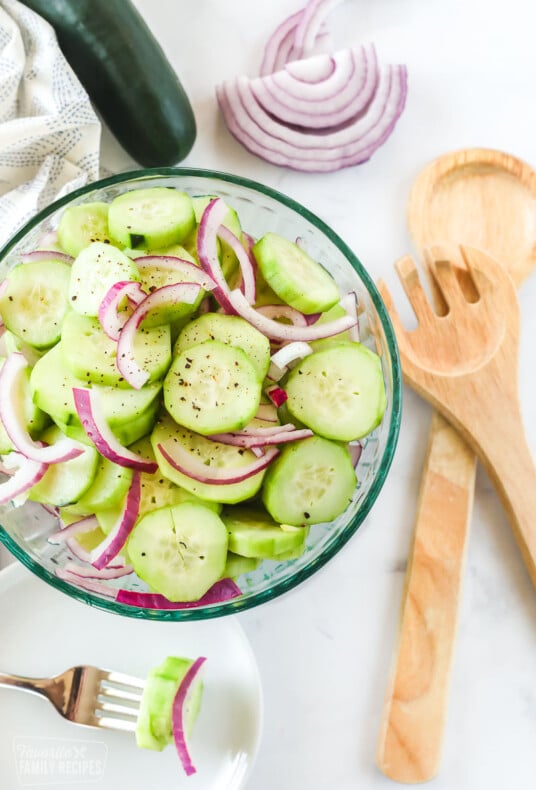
(465, 364)
(88, 695)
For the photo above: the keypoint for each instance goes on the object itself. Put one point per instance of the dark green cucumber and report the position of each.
(127, 75)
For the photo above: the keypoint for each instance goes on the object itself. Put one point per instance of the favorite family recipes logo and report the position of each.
(42, 761)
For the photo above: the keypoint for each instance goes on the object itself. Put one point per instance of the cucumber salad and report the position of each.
(188, 399)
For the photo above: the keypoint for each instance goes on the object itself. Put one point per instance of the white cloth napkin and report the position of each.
(49, 133)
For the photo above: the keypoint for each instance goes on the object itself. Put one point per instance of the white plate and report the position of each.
(43, 632)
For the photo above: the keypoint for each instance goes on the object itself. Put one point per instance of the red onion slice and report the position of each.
(349, 303)
(277, 395)
(45, 255)
(110, 320)
(188, 465)
(355, 449)
(85, 524)
(93, 573)
(280, 46)
(245, 262)
(167, 295)
(283, 311)
(13, 419)
(278, 331)
(309, 24)
(222, 590)
(27, 475)
(94, 423)
(207, 251)
(267, 412)
(116, 539)
(342, 146)
(91, 585)
(253, 442)
(281, 360)
(180, 705)
(321, 105)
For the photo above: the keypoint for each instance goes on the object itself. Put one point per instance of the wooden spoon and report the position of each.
(484, 198)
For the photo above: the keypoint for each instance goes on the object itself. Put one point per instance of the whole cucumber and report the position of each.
(126, 74)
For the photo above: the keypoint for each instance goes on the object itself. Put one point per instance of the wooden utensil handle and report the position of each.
(503, 449)
(409, 746)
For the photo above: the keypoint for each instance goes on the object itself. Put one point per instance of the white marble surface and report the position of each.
(324, 649)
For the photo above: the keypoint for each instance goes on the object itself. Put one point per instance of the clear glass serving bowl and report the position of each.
(24, 530)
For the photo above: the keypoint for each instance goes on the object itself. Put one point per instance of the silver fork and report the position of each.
(88, 695)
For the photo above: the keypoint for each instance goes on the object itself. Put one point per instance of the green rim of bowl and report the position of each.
(250, 600)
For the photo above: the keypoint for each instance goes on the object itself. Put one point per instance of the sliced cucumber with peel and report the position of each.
(94, 271)
(310, 482)
(81, 225)
(154, 726)
(35, 301)
(294, 276)
(150, 218)
(213, 454)
(212, 388)
(252, 533)
(67, 481)
(179, 551)
(230, 329)
(338, 392)
(90, 354)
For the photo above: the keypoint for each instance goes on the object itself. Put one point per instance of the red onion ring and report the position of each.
(91, 585)
(45, 255)
(309, 24)
(207, 251)
(267, 413)
(278, 331)
(85, 524)
(94, 423)
(27, 475)
(283, 311)
(281, 360)
(184, 462)
(252, 442)
(277, 395)
(14, 423)
(167, 295)
(178, 715)
(117, 537)
(109, 318)
(245, 262)
(93, 573)
(222, 590)
(279, 48)
(349, 303)
(191, 272)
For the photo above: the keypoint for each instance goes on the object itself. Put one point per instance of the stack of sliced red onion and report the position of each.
(314, 112)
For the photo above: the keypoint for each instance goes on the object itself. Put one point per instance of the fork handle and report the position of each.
(411, 731)
(501, 443)
(37, 685)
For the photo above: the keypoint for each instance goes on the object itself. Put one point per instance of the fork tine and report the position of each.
(481, 280)
(123, 680)
(116, 693)
(110, 723)
(446, 281)
(123, 711)
(453, 253)
(409, 277)
(400, 332)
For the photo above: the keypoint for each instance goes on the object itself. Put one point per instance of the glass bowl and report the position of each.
(24, 530)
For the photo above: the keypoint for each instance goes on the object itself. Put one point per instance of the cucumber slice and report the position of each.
(13, 343)
(211, 388)
(126, 433)
(109, 486)
(149, 218)
(236, 565)
(253, 533)
(35, 419)
(211, 453)
(65, 483)
(154, 726)
(339, 392)
(298, 279)
(157, 275)
(81, 225)
(179, 551)
(90, 354)
(94, 272)
(51, 387)
(312, 481)
(35, 301)
(233, 331)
